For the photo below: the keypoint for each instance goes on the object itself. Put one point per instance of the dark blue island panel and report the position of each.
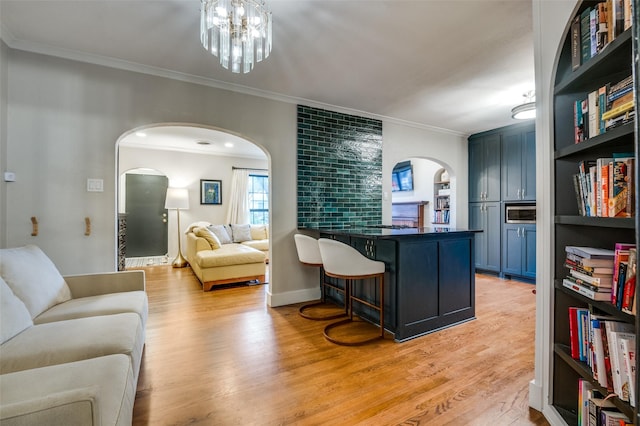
(429, 280)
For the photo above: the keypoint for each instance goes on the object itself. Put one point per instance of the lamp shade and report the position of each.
(177, 198)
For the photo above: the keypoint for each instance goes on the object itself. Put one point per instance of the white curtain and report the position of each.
(238, 211)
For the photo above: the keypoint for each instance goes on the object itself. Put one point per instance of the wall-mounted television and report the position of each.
(402, 177)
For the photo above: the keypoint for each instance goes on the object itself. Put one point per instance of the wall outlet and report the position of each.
(9, 177)
(95, 185)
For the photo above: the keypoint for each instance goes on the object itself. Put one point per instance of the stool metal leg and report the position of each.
(323, 299)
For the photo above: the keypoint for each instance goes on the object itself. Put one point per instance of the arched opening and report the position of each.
(192, 157)
(428, 181)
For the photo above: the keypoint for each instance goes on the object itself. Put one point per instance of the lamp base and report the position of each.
(179, 261)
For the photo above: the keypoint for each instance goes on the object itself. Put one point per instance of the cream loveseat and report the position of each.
(71, 347)
(221, 254)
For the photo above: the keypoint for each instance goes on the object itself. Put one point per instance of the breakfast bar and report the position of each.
(429, 282)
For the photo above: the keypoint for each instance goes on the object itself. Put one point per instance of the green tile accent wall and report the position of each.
(339, 169)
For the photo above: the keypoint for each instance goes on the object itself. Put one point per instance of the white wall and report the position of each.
(65, 118)
(446, 148)
(551, 21)
(185, 170)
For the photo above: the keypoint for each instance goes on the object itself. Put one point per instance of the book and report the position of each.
(615, 112)
(589, 270)
(576, 53)
(590, 252)
(620, 253)
(628, 348)
(603, 178)
(605, 280)
(573, 332)
(612, 328)
(608, 263)
(603, 36)
(619, 182)
(593, 295)
(630, 286)
(612, 417)
(592, 98)
(623, 391)
(630, 209)
(588, 286)
(622, 279)
(585, 35)
(598, 368)
(584, 394)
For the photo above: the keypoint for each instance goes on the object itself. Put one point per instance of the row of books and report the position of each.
(441, 216)
(603, 275)
(596, 409)
(605, 187)
(596, 27)
(607, 346)
(441, 203)
(604, 109)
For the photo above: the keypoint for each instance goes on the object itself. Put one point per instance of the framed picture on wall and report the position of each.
(210, 191)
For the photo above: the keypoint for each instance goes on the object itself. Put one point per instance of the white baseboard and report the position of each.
(535, 396)
(291, 297)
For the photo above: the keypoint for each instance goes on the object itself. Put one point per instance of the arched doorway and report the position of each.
(187, 154)
(420, 180)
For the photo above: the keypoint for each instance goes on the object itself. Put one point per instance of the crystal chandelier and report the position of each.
(236, 31)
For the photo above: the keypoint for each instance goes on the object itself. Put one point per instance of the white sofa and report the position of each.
(71, 347)
(219, 258)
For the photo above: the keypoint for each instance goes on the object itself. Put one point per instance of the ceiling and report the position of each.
(455, 65)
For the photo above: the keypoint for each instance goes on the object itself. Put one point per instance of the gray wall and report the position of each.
(66, 117)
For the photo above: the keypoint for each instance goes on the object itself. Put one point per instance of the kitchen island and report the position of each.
(429, 281)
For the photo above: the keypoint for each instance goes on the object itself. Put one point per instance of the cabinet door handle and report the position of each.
(518, 196)
(518, 232)
(523, 193)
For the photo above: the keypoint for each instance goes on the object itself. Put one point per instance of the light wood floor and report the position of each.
(225, 358)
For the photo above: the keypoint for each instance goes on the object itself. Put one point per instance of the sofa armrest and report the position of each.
(77, 406)
(104, 283)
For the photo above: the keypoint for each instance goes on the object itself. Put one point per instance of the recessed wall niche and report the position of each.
(339, 169)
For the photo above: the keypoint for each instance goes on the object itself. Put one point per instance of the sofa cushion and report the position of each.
(74, 340)
(259, 232)
(103, 304)
(229, 254)
(14, 316)
(241, 232)
(262, 245)
(98, 391)
(211, 238)
(221, 232)
(33, 277)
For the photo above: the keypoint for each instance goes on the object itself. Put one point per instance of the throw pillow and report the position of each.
(33, 278)
(221, 232)
(14, 316)
(258, 232)
(211, 238)
(241, 233)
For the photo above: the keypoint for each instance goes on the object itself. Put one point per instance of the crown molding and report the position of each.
(120, 64)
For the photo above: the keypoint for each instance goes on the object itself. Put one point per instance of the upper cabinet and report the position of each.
(484, 168)
(519, 164)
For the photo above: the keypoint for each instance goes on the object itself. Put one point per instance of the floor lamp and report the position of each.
(177, 198)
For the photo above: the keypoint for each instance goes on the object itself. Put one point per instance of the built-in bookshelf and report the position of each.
(579, 74)
(441, 198)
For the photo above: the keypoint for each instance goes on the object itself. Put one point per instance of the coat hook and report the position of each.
(87, 226)
(34, 224)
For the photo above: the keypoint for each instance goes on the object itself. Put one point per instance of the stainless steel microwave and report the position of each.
(520, 213)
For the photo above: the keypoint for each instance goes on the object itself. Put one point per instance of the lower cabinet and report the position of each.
(519, 250)
(486, 217)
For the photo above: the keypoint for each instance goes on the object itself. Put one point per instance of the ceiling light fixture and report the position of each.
(236, 31)
(527, 110)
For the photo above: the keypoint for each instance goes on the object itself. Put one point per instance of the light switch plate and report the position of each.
(9, 177)
(95, 185)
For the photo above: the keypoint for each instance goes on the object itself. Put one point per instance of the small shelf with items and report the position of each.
(441, 198)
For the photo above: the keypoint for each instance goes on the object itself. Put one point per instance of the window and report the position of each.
(259, 199)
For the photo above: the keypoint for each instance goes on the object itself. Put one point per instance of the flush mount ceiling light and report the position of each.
(527, 110)
(236, 31)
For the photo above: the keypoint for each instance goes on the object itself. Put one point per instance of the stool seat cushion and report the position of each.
(343, 260)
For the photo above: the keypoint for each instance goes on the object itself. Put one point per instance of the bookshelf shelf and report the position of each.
(572, 85)
(604, 222)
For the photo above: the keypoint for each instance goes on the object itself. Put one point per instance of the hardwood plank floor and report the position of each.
(225, 358)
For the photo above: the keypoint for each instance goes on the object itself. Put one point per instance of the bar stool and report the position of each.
(345, 262)
(309, 255)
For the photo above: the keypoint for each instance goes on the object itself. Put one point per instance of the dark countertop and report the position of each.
(384, 231)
